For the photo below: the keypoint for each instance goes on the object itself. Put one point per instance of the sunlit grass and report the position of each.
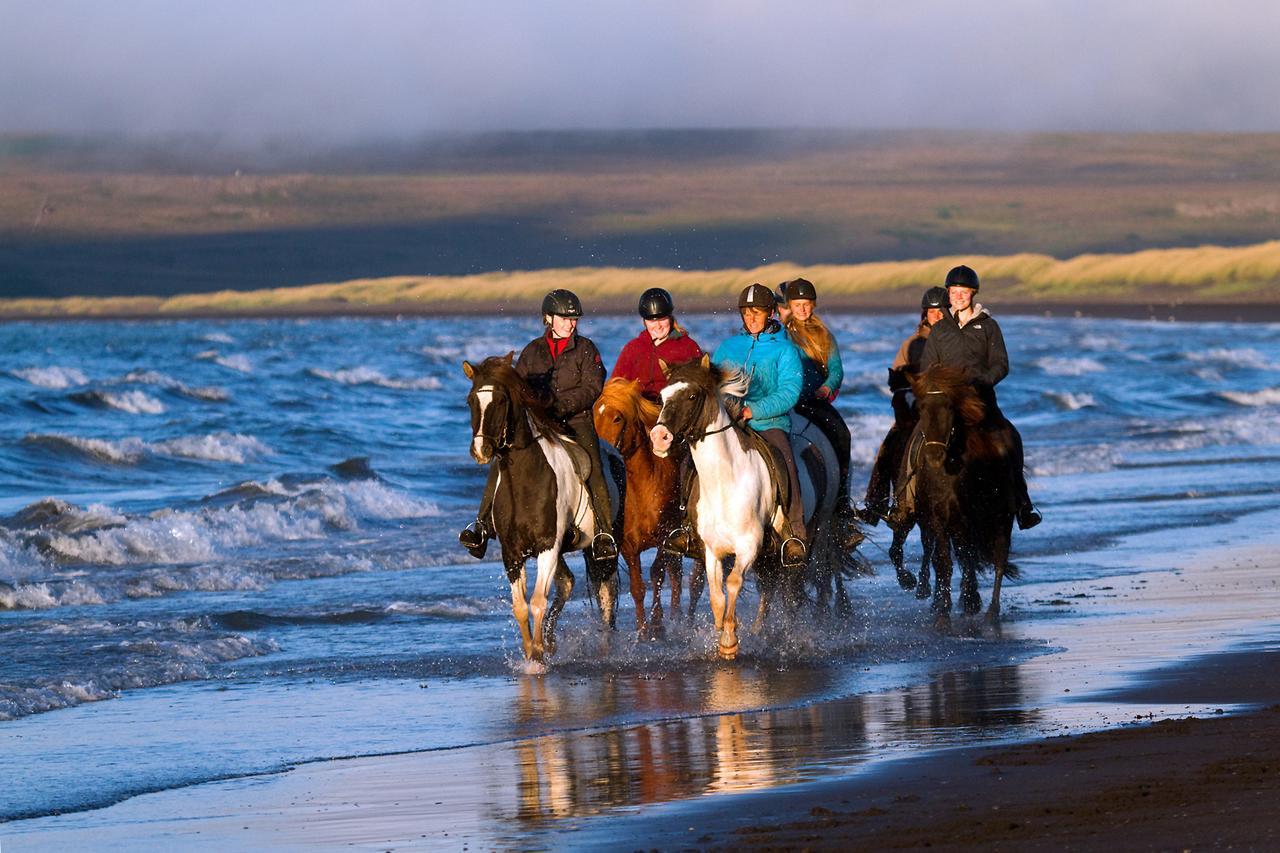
(1205, 273)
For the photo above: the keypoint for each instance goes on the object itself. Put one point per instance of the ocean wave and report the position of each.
(452, 608)
(1265, 397)
(217, 338)
(238, 363)
(133, 402)
(1072, 459)
(173, 536)
(1102, 343)
(1058, 366)
(473, 349)
(369, 376)
(866, 432)
(216, 447)
(107, 664)
(51, 377)
(1244, 357)
(1070, 402)
(151, 377)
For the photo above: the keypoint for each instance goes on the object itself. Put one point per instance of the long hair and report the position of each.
(624, 396)
(813, 337)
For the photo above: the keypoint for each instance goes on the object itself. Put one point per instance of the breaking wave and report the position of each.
(51, 377)
(216, 447)
(133, 402)
(1247, 357)
(1265, 397)
(369, 376)
(1069, 402)
(152, 377)
(1057, 366)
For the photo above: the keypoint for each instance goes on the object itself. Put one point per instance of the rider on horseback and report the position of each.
(823, 373)
(663, 341)
(772, 363)
(967, 337)
(933, 305)
(565, 369)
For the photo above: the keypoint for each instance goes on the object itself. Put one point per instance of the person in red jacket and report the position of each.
(662, 338)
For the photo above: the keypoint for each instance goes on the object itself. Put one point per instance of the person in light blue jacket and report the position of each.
(773, 366)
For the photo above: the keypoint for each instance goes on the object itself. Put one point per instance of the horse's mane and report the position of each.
(497, 370)
(724, 385)
(624, 396)
(959, 390)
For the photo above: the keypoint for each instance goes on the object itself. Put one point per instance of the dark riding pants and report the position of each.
(795, 506)
(885, 470)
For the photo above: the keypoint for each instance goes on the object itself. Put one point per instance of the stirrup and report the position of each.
(794, 563)
(603, 547)
(1029, 517)
(899, 519)
(678, 542)
(475, 538)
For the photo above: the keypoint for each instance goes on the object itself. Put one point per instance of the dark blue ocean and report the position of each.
(228, 547)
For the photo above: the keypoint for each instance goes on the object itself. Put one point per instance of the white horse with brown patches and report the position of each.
(736, 497)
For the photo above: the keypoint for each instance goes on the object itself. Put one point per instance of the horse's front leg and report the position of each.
(659, 570)
(928, 542)
(520, 607)
(970, 598)
(715, 583)
(635, 572)
(942, 580)
(547, 562)
(906, 580)
(697, 581)
(564, 589)
(742, 561)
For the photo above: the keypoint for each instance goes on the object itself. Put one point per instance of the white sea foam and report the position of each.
(472, 349)
(152, 377)
(866, 433)
(133, 402)
(1101, 343)
(1060, 461)
(217, 338)
(1265, 397)
(234, 362)
(369, 376)
(52, 377)
(1245, 357)
(1071, 402)
(454, 608)
(126, 451)
(217, 447)
(1057, 366)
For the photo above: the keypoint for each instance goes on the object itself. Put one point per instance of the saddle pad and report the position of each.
(777, 467)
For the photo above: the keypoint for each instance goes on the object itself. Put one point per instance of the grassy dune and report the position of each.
(1207, 274)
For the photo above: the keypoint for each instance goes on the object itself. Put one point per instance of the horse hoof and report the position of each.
(906, 580)
(923, 591)
(942, 622)
(728, 652)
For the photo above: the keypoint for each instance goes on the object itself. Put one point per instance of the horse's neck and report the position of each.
(719, 454)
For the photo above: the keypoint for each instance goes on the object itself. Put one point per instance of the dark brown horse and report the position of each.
(965, 488)
(623, 417)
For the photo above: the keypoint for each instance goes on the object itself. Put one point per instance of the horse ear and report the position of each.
(509, 357)
(664, 367)
(706, 360)
(469, 370)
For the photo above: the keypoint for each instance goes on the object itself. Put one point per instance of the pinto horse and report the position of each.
(623, 417)
(540, 506)
(965, 489)
(737, 502)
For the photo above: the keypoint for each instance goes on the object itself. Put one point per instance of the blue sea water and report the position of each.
(227, 547)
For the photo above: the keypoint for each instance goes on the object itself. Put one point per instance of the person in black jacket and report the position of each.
(969, 338)
(565, 370)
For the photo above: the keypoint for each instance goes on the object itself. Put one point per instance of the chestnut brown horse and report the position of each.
(623, 417)
(966, 494)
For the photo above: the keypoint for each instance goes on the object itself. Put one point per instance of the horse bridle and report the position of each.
(503, 443)
(945, 445)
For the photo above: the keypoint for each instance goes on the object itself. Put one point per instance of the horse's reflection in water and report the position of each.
(570, 775)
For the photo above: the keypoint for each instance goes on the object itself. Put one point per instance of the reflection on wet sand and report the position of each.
(571, 775)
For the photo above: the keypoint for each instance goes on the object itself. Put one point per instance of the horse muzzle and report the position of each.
(481, 450)
(662, 439)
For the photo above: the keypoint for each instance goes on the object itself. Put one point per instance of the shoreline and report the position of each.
(1093, 684)
(882, 304)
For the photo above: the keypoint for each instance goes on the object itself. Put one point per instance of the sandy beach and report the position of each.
(1148, 724)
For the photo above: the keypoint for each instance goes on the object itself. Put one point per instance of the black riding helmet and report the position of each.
(800, 288)
(962, 276)
(935, 297)
(656, 303)
(562, 302)
(780, 295)
(757, 296)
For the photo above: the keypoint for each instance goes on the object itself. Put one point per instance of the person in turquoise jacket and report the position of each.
(773, 365)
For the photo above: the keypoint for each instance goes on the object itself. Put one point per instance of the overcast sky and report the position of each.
(371, 69)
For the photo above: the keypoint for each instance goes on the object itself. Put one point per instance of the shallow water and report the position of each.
(197, 581)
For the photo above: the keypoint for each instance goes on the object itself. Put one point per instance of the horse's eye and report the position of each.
(617, 419)
(693, 396)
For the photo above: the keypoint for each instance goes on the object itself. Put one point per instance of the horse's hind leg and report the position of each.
(927, 544)
(1000, 556)
(564, 589)
(697, 583)
(970, 598)
(942, 581)
(520, 610)
(664, 566)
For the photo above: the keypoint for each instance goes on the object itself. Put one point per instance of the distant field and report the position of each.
(120, 218)
(1245, 277)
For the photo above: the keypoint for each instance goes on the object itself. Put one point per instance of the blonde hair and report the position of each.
(813, 337)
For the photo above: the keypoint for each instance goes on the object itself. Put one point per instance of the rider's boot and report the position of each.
(1028, 516)
(679, 542)
(793, 553)
(475, 538)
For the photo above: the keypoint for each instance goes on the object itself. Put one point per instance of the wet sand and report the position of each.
(1085, 747)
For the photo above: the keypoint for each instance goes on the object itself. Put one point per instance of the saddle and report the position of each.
(580, 458)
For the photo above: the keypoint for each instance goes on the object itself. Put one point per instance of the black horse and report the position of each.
(966, 491)
(540, 505)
